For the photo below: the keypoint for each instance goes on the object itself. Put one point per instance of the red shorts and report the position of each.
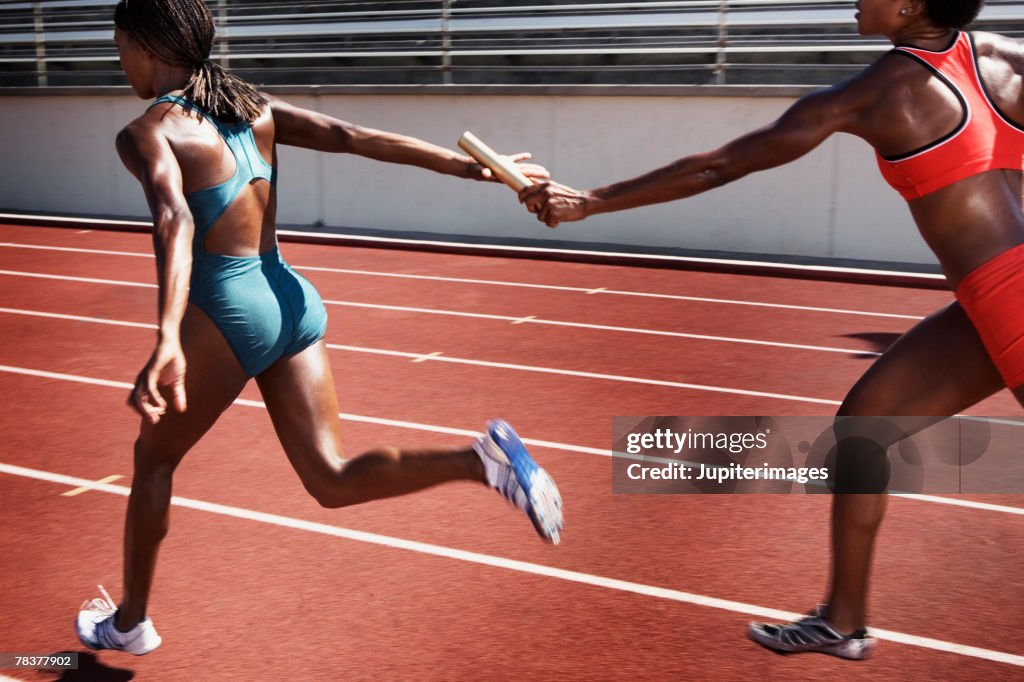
(992, 295)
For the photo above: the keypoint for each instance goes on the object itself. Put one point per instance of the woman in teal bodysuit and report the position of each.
(204, 153)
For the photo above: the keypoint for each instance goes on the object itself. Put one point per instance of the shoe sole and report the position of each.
(545, 501)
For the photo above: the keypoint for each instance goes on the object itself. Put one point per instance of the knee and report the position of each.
(861, 465)
(327, 485)
(334, 482)
(856, 404)
(153, 461)
(326, 497)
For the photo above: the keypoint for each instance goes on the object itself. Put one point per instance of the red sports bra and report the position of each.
(985, 138)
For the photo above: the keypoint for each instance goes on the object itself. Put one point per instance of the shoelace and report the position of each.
(106, 635)
(104, 604)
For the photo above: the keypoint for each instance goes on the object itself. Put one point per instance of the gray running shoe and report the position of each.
(812, 633)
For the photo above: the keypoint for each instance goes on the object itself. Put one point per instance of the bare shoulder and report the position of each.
(858, 96)
(137, 137)
(143, 145)
(282, 114)
(264, 127)
(889, 72)
(156, 123)
(1001, 63)
(275, 104)
(998, 46)
(267, 110)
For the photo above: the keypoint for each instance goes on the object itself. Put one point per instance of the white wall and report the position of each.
(58, 156)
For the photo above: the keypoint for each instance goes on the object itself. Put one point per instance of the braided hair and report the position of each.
(180, 32)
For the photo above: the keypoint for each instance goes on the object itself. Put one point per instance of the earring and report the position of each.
(905, 11)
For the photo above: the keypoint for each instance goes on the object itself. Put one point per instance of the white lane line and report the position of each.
(982, 506)
(75, 249)
(602, 327)
(615, 292)
(488, 282)
(469, 433)
(589, 375)
(69, 278)
(508, 564)
(512, 319)
(77, 318)
(344, 416)
(438, 356)
(347, 239)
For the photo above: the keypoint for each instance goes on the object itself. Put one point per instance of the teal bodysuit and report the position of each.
(262, 306)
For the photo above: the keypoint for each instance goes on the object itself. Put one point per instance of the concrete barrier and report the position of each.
(59, 157)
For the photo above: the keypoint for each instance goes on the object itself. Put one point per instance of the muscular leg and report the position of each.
(213, 380)
(299, 393)
(939, 368)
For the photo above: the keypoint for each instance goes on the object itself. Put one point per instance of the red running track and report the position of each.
(256, 582)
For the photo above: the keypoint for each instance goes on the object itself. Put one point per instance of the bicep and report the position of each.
(804, 126)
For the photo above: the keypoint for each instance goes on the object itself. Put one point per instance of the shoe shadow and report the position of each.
(879, 342)
(91, 670)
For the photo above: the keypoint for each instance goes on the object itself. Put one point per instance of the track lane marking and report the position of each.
(507, 318)
(589, 375)
(420, 357)
(601, 327)
(438, 356)
(469, 433)
(511, 564)
(70, 278)
(84, 489)
(344, 416)
(77, 318)
(526, 285)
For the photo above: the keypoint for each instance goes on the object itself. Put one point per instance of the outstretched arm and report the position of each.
(147, 154)
(312, 130)
(802, 128)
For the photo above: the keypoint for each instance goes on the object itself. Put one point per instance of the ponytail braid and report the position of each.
(180, 32)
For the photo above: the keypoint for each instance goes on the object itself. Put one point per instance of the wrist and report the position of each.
(166, 337)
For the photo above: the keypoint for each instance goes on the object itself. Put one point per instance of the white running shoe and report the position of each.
(812, 633)
(95, 628)
(511, 471)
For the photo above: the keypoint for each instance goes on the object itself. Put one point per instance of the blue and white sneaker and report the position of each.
(511, 471)
(95, 628)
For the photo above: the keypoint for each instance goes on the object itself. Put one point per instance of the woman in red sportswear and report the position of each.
(944, 111)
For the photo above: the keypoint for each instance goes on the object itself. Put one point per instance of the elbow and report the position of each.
(345, 138)
(712, 178)
(172, 224)
(715, 176)
(721, 171)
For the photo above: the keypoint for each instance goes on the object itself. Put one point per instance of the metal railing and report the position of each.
(793, 42)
